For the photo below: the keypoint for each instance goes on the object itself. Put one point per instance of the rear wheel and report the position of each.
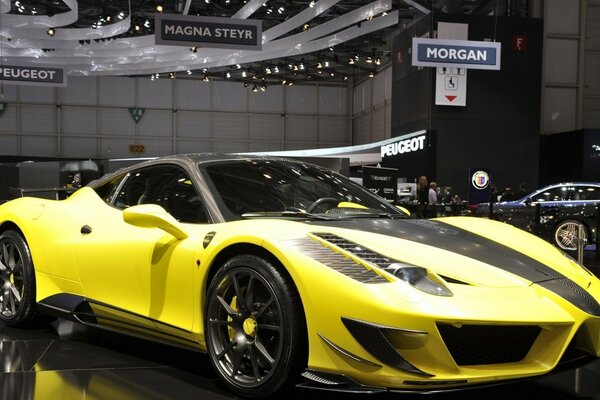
(17, 280)
(566, 234)
(255, 329)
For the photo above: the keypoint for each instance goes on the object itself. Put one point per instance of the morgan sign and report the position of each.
(456, 53)
(189, 30)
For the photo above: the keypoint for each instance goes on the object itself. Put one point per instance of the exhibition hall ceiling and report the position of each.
(326, 40)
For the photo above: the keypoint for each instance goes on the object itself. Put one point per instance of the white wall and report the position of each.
(372, 109)
(90, 118)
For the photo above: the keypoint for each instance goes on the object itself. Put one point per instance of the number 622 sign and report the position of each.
(137, 148)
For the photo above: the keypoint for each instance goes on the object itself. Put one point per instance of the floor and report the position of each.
(67, 361)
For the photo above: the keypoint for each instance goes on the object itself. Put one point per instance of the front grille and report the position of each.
(488, 344)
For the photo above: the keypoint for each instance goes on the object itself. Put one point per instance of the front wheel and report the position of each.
(255, 329)
(566, 233)
(17, 280)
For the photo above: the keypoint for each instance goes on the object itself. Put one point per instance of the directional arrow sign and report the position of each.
(450, 98)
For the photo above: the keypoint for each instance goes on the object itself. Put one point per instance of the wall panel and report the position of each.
(193, 146)
(559, 111)
(116, 121)
(270, 101)
(230, 147)
(155, 94)
(78, 120)
(76, 147)
(38, 119)
(9, 144)
(265, 127)
(229, 96)
(116, 148)
(334, 130)
(230, 126)
(79, 91)
(193, 94)
(8, 119)
(116, 91)
(333, 100)
(301, 128)
(44, 146)
(194, 124)
(301, 99)
(156, 123)
(37, 94)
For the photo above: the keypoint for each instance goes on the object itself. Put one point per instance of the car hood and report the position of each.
(470, 250)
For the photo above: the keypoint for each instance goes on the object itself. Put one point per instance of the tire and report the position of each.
(565, 234)
(255, 327)
(17, 280)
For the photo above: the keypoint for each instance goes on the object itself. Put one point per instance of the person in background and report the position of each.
(522, 191)
(432, 199)
(508, 195)
(422, 195)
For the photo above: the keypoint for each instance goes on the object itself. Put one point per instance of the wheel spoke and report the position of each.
(237, 359)
(13, 307)
(226, 306)
(263, 352)
(225, 350)
(241, 301)
(11, 257)
(264, 308)
(16, 293)
(4, 257)
(270, 327)
(4, 302)
(250, 294)
(254, 361)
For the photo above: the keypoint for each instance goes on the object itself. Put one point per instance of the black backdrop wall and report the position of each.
(499, 128)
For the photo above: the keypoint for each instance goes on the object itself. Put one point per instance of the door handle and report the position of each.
(86, 230)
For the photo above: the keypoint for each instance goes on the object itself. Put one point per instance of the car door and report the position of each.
(138, 275)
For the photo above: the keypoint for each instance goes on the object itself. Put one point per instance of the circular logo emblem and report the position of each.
(480, 180)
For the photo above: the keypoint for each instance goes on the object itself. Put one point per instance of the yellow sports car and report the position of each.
(287, 273)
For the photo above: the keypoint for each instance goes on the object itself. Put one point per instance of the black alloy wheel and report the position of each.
(255, 329)
(17, 280)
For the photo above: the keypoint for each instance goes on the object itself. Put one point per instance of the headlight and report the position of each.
(419, 278)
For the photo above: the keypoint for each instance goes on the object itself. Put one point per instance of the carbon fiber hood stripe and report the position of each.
(447, 237)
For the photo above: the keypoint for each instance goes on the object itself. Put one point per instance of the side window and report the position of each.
(168, 186)
(588, 193)
(553, 194)
(108, 190)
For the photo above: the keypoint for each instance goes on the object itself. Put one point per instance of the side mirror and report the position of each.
(153, 216)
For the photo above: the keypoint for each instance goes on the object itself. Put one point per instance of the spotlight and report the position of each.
(377, 60)
(370, 17)
(263, 88)
(371, 74)
(319, 65)
(280, 10)
(246, 84)
(227, 75)
(159, 8)
(268, 71)
(369, 60)
(189, 72)
(194, 49)
(311, 4)
(206, 78)
(254, 89)
(351, 61)
(276, 69)
(306, 27)
(51, 32)
(171, 75)
(244, 74)
(238, 66)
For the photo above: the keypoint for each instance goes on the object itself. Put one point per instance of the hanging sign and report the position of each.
(191, 30)
(41, 75)
(136, 113)
(479, 185)
(456, 53)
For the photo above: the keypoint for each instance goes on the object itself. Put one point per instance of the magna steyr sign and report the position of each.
(33, 75)
(456, 53)
(190, 30)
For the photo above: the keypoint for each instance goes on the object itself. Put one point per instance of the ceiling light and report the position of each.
(263, 88)
(295, 68)
(244, 74)
(369, 17)
(371, 74)
(276, 69)
(319, 65)
(332, 74)
(194, 49)
(345, 77)
(189, 72)
(369, 60)
(109, 18)
(327, 63)
(301, 67)
(159, 8)
(152, 77)
(204, 70)
(306, 27)
(171, 75)
(157, 75)
(351, 61)
(51, 32)
(238, 66)
(33, 11)
(311, 4)
(268, 71)
(384, 14)
(283, 81)
(246, 84)
(137, 28)
(227, 75)
(147, 24)
(227, 1)
(121, 15)
(254, 89)
(290, 83)
(206, 78)
(377, 60)
(280, 10)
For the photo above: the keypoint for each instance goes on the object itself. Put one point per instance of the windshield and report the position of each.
(290, 188)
